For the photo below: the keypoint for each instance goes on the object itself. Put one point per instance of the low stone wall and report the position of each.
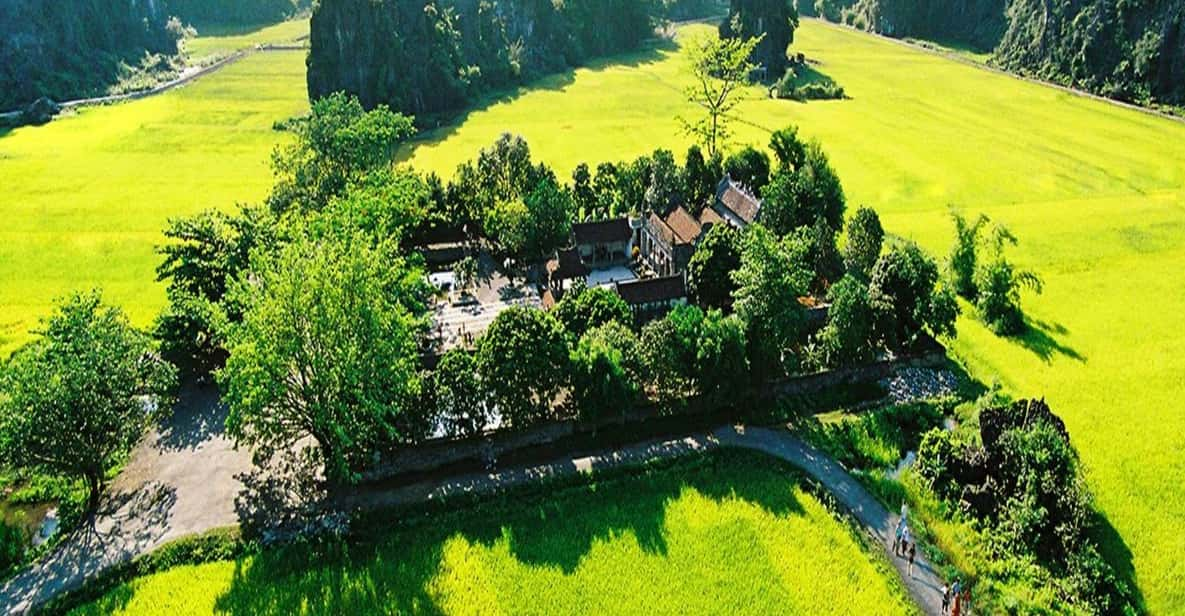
(640, 422)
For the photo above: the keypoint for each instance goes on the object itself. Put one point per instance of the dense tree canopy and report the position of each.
(82, 393)
(326, 349)
(523, 361)
(773, 275)
(337, 144)
(749, 166)
(864, 242)
(603, 385)
(848, 336)
(709, 271)
(773, 20)
(583, 308)
(796, 198)
(461, 405)
(906, 298)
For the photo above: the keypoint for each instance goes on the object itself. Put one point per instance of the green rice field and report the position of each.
(1095, 192)
(729, 533)
(216, 40)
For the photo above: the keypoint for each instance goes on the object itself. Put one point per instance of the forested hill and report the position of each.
(235, 11)
(1132, 50)
(70, 48)
(1128, 49)
(424, 57)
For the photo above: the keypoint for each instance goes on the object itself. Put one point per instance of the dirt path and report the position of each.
(185, 478)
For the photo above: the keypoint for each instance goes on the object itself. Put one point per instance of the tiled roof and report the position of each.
(709, 217)
(652, 290)
(602, 232)
(567, 265)
(734, 198)
(685, 226)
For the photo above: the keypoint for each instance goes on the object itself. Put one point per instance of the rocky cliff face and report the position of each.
(1127, 49)
(430, 56)
(66, 49)
(234, 11)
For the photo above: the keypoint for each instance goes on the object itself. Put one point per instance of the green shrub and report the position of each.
(12, 545)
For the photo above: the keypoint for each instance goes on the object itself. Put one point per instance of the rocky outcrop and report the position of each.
(1130, 50)
(430, 56)
(63, 49)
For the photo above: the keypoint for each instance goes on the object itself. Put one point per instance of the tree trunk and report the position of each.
(95, 484)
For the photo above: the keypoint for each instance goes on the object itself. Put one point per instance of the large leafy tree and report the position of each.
(603, 385)
(203, 254)
(583, 308)
(797, 198)
(847, 337)
(906, 298)
(721, 364)
(788, 149)
(700, 176)
(338, 143)
(326, 349)
(523, 361)
(720, 69)
(749, 166)
(82, 393)
(773, 275)
(666, 186)
(550, 210)
(864, 242)
(460, 398)
(709, 272)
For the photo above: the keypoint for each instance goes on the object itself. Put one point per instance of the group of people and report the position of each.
(956, 597)
(903, 543)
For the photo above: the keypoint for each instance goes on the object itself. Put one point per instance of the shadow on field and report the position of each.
(446, 127)
(393, 559)
(1115, 551)
(1041, 338)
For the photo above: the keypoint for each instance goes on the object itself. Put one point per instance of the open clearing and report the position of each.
(215, 40)
(1095, 192)
(730, 532)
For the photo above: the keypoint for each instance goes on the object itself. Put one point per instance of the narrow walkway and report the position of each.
(152, 512)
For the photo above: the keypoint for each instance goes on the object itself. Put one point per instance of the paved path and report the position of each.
(195, 479)
(181, 479)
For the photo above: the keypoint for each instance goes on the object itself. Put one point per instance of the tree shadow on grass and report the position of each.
(1042, 339)
(1114, 550)
(447, 126)
(392, 558)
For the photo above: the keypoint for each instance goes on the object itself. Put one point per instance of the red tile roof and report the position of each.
(736, 199)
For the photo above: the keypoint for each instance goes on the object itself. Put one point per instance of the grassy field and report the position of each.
(84, 198)
(218, 40)
(1095, 192)
(730, 533)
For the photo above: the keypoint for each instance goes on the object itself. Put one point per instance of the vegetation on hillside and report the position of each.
(234, 12)
(65, 49)
(425, 57)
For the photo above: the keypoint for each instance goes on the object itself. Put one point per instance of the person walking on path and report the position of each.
(913, 551)
(945, 597)
(897, 540)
